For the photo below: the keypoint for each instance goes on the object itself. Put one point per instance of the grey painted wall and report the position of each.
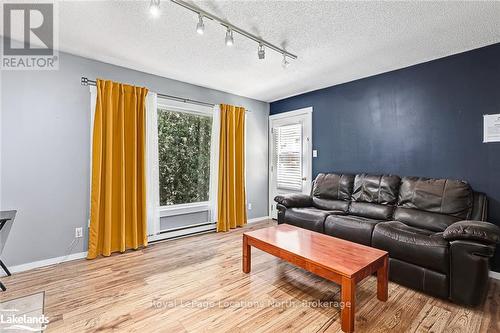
(45, 138)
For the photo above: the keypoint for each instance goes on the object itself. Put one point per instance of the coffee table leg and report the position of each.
(246, 255)
(383, 280)
(348, 301)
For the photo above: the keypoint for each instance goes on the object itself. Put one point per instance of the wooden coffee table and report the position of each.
(343, 262)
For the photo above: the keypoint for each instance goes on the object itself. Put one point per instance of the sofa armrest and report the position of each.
(281, 213)
(479, 231)
(294, 200)
(469, 270)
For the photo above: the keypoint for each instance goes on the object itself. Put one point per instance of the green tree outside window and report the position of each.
(184, 157)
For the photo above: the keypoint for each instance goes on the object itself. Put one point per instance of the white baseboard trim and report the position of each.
(45, 262)
(495, 275)
(257, 219)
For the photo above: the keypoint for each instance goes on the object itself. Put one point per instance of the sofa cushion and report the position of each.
(329, 204)
(413, 245)
(333, 186)
(352, 228)
(371, 210)
(376, 189)
(332, 191)
(374, 196)
(308, 218)
(442, 196)
(422, 219)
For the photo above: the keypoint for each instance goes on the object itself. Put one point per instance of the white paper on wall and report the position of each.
(491, 128)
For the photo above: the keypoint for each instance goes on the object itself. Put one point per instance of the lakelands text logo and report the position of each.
(10, 320)
(29, 37)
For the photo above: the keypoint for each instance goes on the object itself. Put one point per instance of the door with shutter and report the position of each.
(290, 158)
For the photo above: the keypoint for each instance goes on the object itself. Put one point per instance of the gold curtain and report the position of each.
(231, 208)
(118, 194)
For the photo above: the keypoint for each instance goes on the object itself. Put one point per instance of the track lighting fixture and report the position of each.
(229, 37)
(285, 62)
(154, 8)
(261, 52)
(230, 28)
(200, 27)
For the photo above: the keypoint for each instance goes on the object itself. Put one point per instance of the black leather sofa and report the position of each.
(434, 229)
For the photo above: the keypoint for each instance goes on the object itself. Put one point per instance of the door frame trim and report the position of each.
(307, 111)
(298, 112)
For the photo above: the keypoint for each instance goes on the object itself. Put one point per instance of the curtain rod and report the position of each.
(86, 82)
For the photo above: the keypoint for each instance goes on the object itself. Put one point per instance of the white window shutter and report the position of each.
(288, 150)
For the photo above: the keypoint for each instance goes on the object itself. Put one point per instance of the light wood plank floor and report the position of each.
(196, 284)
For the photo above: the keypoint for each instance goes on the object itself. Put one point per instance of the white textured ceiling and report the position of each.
(336, 41)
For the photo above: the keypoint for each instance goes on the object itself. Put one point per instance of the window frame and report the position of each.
(193, 207)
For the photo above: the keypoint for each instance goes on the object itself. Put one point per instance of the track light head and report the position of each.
(154, 8)
(261, 52)
(229, 37)
(285, 62)
(200, 27)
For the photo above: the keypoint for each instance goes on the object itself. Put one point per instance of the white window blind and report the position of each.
(288, 154)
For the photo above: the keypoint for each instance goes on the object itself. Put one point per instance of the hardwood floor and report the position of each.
(196, 284)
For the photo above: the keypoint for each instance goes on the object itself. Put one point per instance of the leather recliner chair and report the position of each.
(433, 229)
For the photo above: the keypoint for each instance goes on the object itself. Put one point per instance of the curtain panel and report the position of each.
(118, 190)
(214, 163)
(152, 167)
(231, 208)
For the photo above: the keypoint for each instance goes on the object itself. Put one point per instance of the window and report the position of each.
(184, 156)
(288, 150)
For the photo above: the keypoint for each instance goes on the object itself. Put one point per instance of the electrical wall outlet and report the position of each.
(249, 206)
(315, 153)
(78, 232)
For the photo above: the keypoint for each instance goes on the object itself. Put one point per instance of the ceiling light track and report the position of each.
(232, 28)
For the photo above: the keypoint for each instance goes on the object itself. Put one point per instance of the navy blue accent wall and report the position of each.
(423, 120)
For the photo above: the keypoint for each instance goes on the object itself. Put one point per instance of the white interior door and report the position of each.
(290, 154)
